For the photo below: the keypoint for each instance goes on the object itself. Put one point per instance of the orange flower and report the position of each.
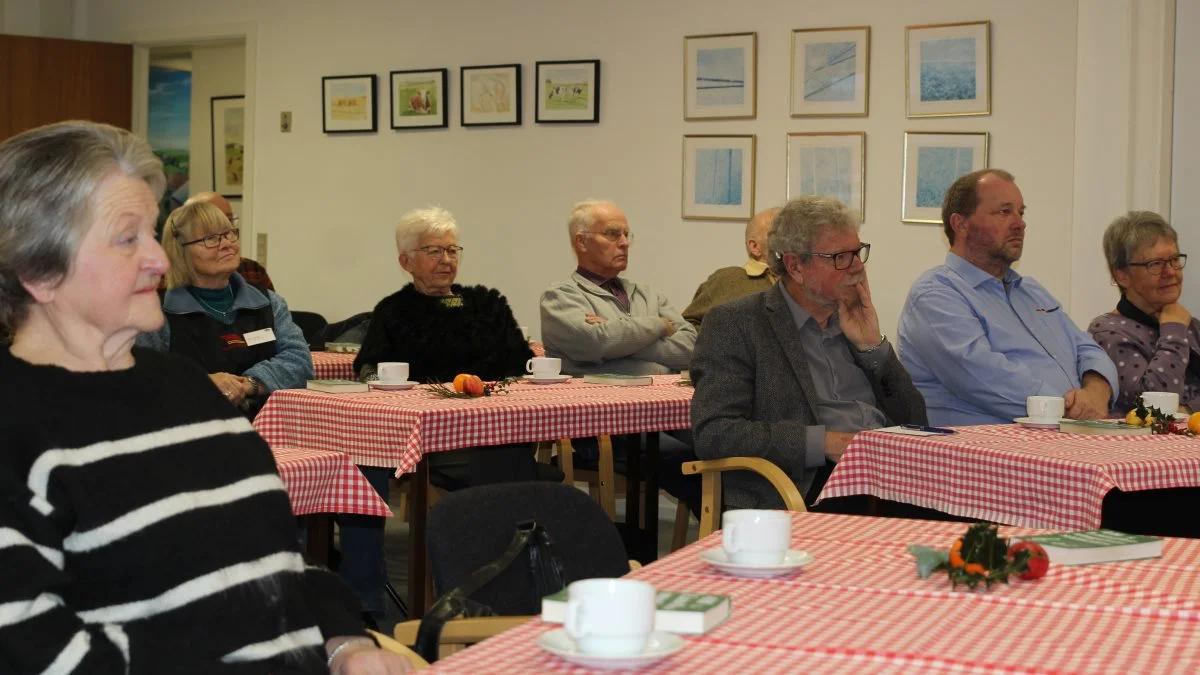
(956, 559)
(975, 568)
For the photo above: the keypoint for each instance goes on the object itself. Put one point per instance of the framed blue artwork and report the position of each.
(828, 163)
(948, 69)
(718, 177)
(720, 74)
(831, 70)
(932, 161)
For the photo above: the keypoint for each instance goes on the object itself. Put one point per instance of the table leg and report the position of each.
(650, 496)
(418, 564)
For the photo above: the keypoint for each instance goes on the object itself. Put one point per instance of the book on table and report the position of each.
(618, 380)
(338, 386)
(1096, 546)
(1100, 428)
(690, 613)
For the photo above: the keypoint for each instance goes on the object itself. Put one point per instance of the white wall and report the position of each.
(1185, 197)
(216, 71)
(330, 202)
(42, 18)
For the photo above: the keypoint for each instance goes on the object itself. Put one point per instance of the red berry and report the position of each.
(1039, 562)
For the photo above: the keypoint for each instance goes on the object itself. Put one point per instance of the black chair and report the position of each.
(310, 324)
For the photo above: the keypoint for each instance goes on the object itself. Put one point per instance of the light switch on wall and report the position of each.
(285, 121)
(260, 248)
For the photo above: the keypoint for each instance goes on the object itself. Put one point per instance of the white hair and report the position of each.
(429, 220)
(583, 215)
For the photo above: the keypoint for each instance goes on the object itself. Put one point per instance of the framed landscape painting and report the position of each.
(720, 76)
(831, 70)
(718, 177)
(567, 91)
(419, 98)
(932, 161)
(948, 69)
(831, 164)
(348, 104)
(490, 95)
(228, 145)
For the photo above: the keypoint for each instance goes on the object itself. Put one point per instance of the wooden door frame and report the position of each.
(144, 40)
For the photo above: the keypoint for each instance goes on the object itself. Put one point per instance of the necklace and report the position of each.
(214, 310)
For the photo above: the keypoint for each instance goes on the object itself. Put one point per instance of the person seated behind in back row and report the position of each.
(978, 338)
(731, 283)
(790, 374)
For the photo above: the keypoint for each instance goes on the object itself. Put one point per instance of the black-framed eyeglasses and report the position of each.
(214, 240)
(844, 259)
(614, 235)
(1155, 268)
(436, 252)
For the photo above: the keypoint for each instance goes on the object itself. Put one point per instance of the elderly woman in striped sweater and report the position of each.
(143, 526)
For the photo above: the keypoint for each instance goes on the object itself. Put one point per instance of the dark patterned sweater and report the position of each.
(472, 332)
(144, 529)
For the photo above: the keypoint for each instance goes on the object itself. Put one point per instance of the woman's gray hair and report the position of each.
(188, 223)
(800, 222)
(583, 215)
(429, 220)
(48, 177)
(1127, 233)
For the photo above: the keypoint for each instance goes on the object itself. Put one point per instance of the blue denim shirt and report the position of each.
(977, 347)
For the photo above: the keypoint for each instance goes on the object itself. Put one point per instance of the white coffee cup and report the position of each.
(1165, 401)
(1048, 408)
(392, 372)
(543, 366)
(756, 537)
(610, 617)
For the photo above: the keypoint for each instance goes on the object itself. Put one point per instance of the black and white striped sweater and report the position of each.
(144, 529)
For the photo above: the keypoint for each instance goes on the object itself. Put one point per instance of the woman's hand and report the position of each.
(1174, 313)
(362, 657)
(233, 387)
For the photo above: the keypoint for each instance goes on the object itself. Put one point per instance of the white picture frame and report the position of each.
(720, 76)
(831, 71)
(932, 162)
(828, 163)
(718, 177)
(948, 69)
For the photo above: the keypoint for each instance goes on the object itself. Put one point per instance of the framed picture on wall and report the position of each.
(490, 95)
(567, 91)
(718, 177)
(348, 104)
(831, 68)
(948, 69)
(228, 145)
(932, 161)
(419, 98)
(830, 164)
(720, 76)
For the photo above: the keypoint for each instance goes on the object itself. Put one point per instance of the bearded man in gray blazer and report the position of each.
(790, 374)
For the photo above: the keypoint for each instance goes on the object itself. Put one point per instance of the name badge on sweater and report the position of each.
(257, 337)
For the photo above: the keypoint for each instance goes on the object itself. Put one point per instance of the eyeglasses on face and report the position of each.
(1155, 268)
(214, 240)
(436, 252)
(614, 235)
(844, 259)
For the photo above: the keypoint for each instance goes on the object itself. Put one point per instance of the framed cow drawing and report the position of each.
(568, 91)
(419, 98)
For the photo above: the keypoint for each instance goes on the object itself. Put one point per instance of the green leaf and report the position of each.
(928, 559)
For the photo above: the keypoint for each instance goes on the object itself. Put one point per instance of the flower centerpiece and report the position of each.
(981, 556)
(466, 385)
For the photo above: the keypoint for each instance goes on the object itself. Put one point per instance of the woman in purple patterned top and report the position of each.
(1150, 336)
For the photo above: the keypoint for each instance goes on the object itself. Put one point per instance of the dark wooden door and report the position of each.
(44, 80)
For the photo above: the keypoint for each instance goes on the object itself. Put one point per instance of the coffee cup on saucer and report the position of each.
(392, 372)
(543, 366)
(1045, 408)
(610, 617)
(1165, 401)
(756, 537)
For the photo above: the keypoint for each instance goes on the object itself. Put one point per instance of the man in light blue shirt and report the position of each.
(978, 338)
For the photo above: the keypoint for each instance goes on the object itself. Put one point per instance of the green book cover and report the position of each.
(1096, 546)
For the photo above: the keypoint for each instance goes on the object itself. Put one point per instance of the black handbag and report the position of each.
(545, 572)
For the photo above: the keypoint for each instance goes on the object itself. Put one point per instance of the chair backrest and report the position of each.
(470, 528)
(310, 323)
(352, 329)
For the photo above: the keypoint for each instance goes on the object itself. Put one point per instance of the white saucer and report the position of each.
(658, 647)
(1037, 423)
(398, 386)
(546, 379)
(792, 560)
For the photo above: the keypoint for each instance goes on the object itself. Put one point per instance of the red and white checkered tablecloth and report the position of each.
(394, 429)
(1006, 473)
(320, 481)
(860, 608)
(333, 365)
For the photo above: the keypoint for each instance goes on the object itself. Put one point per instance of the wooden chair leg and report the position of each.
(608, 497)
(682, 518)
(566, 460)
(710, 510)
